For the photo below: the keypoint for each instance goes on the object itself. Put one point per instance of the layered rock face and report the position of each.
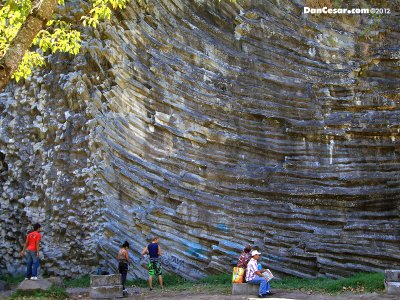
(212, 125)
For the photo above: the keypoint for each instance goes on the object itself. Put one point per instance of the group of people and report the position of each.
(153, 250)
(254, 273)
(248, 260)
(31, 252)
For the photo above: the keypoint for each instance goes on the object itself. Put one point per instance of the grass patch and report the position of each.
(137, 283)
(361, 282)
(12, 280)
(170, 280)
(220, 279)
(216, 283)
(78, 282)
(221, 284)
(54, 293)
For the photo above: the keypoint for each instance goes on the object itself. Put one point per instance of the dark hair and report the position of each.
(154, 238)
(247, 249)
(36, 226)
(125, 245)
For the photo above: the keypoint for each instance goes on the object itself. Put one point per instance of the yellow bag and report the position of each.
(237, 275)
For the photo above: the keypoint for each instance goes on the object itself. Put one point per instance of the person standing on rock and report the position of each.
(154, 251)
(123, 261)
(255, 276)
(31, 252)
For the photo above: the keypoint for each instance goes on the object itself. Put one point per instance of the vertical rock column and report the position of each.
(49, 168)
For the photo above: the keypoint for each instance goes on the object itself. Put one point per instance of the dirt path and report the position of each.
(279, 294)
(82, 294)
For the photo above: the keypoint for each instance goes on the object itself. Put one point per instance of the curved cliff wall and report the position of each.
(212, 125)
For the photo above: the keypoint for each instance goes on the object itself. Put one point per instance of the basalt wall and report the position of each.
(211, 125)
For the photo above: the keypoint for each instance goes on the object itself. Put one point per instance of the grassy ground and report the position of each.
(221, 284)
(78, 282)
(358, 283)
(54, 293)
(216, 283)
(12, 280)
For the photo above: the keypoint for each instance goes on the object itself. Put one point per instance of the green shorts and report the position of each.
(155, 268)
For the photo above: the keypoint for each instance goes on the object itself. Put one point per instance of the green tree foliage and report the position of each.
(59, 35)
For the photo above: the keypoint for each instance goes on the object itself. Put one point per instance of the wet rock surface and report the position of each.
(212, 125)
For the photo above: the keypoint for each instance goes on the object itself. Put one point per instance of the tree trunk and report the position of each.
(34, 22)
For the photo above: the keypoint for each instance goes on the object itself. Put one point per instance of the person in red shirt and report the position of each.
(31, 252)
(244, 257)
(244, 260)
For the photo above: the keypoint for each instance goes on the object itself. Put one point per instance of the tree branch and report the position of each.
(35, 21)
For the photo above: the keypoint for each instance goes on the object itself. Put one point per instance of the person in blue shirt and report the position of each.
(154, 251)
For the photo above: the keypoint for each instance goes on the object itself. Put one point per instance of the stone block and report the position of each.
(392, 275)
(4, 286)
(245, 289)
(106, 292)
(32, 285)
(392, 288)
(105, 280)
